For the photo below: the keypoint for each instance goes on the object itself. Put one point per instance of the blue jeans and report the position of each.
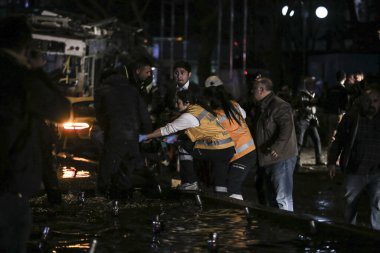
(278, 183)
(354, 186)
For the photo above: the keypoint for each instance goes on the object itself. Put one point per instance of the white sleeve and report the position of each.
(242, 111)
(185, 121)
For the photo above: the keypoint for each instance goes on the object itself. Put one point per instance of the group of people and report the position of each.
(209, 125)
(351, 111)
(212, 126)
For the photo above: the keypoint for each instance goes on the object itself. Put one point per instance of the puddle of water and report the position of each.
(186, 228)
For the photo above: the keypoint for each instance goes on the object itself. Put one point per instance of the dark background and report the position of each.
(284, 47)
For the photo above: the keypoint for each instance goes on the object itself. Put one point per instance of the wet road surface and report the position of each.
(77, 222)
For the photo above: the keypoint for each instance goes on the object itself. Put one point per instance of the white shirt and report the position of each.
(184, 87)
(242, 111)
(185, 121)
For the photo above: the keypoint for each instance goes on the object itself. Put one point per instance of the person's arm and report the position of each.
(284, 121)
(185, 121)
(336, 145)
(44, 98)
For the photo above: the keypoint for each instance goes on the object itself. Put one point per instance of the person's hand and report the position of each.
(143, 137)
(273, 153)
(170, 139)
(332, 170)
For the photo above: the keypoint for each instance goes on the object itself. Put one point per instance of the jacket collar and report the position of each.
(265, 101)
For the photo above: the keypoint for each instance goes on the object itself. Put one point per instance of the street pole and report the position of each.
(304, 37)
(245, 42)
(186, 21)
(231, 36)
(162, 28)
(218, 47)
(172, 26)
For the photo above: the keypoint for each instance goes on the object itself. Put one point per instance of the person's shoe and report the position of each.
(221, 189)
(188, 187)
(236, 196)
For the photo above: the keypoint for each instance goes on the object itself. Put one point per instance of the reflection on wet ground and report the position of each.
(173, 224)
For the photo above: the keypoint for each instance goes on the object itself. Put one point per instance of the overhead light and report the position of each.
(287, 12)
(284, 10)
(321, 12)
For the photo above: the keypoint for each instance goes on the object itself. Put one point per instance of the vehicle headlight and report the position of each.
(75, 125)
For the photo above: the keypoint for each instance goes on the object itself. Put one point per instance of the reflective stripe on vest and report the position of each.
(245, 146)
(214, 143)
(202, 115)
(185, 157)
(239, 133)
(209, 134)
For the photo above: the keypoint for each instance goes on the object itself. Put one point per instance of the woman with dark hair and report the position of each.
(232, 117)
(205, 139)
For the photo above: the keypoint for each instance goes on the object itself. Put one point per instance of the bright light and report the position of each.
(321, 12)
(284, 10)
(71, 172)
(75, 126)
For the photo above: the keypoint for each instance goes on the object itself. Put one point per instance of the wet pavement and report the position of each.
(85, 217)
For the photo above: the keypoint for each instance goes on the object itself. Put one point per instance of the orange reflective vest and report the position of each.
(240, 134)
(209, 134)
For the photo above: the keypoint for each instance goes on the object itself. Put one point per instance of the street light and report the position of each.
(285, 11)
(321, 12)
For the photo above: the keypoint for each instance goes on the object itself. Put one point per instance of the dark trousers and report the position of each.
(15, 223)
(49, 175)
(117, 163)
(219, 159)
(238, 172)
(303, 127)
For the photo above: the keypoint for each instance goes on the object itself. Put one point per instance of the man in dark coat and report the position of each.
(182, 74)
(307, 121)
(122, 114)
(25, 101)
(356, 145)
(336, 104)
(276, 144)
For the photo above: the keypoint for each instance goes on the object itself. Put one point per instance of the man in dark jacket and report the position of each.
(122, 114)
(276, 144)
(25, 101)
(336, 104)
(357, 142)
(306, 119)
(139, 74)
(182, 74)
